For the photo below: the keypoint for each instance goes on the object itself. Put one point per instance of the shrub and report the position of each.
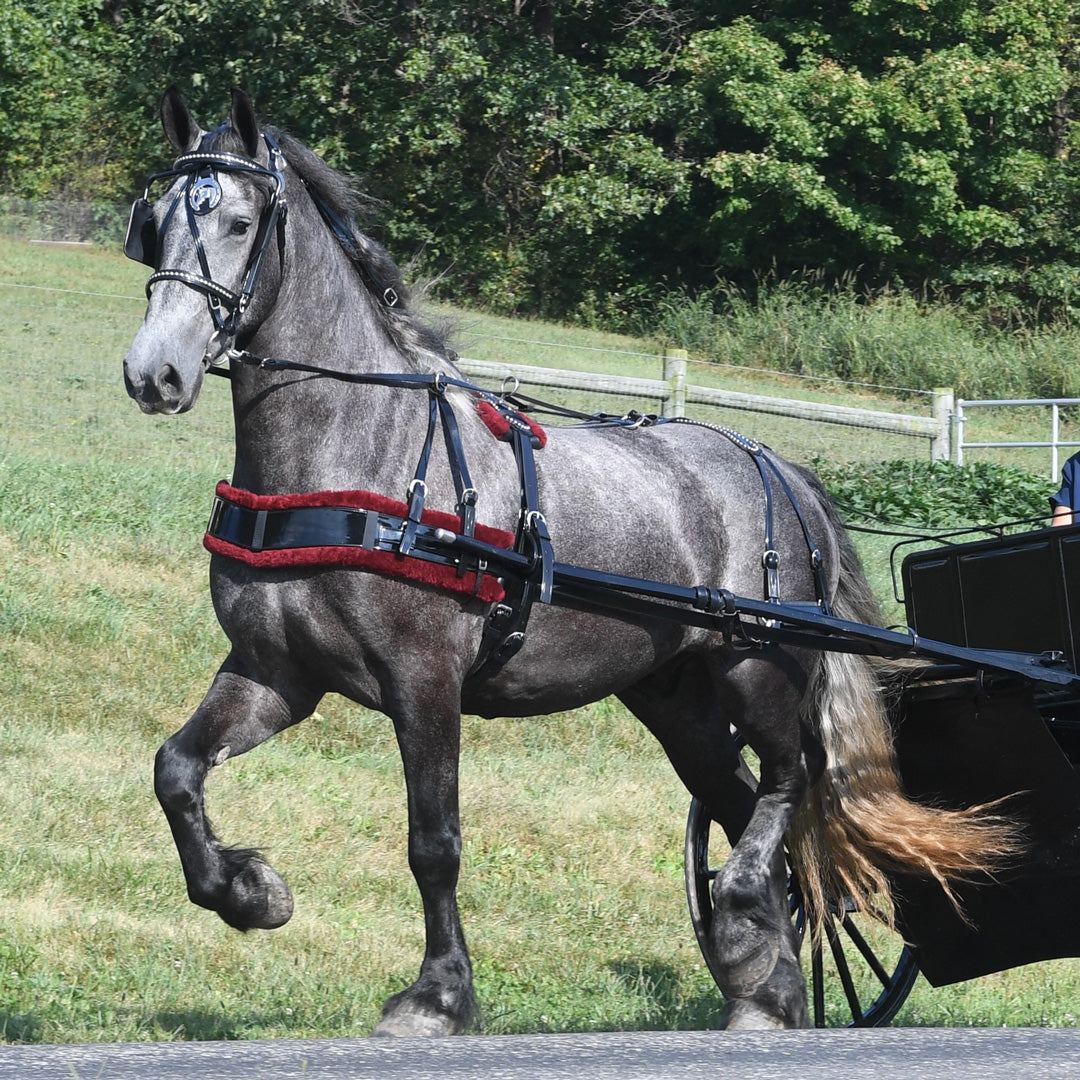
(890, 340)
(935, 494)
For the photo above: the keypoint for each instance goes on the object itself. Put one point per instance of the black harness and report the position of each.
(528, 570)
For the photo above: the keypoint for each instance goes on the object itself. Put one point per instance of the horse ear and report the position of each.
(181, 128)
(244, 122)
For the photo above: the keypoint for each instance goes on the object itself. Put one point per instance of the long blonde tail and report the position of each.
(856, 823)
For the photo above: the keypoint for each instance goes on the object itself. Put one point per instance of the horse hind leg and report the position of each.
(689, 707)
(752, 931)
(236, 715)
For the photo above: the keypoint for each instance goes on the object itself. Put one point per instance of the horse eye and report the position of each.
(239, 227)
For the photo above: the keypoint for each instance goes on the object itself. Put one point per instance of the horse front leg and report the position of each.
(441, 1001)
(237, 714)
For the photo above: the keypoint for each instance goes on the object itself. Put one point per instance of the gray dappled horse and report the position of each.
(236, 279)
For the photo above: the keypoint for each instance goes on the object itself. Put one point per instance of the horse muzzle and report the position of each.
(162, 389)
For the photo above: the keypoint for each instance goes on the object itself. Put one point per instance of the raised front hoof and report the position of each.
(257, 899)
(744, 1015)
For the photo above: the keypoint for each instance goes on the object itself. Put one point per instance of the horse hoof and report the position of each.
(258, 899)
(743, 1015)
(412, 1025)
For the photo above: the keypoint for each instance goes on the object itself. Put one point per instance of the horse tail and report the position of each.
(856, 824)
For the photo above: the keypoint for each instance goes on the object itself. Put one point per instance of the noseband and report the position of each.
(201, 195)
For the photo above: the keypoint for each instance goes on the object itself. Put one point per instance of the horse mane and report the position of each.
(426, 345)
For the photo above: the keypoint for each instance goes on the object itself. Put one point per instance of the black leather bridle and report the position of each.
(201, 195)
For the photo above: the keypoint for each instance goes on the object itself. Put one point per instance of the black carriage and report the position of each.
(966, 735)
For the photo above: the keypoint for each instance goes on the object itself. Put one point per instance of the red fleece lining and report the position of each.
(498, 425)
(380, 562)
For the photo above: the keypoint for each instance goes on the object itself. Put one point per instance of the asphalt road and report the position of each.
(907, 1053)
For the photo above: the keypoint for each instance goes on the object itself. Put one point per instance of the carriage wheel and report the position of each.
(874, 969)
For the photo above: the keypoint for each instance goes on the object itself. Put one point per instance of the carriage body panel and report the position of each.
(967, 741)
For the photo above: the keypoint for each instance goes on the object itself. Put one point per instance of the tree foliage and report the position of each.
(56, 122)
(567, 157)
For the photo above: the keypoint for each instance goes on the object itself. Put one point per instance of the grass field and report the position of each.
(572, 888)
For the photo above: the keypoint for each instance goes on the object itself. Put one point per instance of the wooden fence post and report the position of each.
(675, 377)
(941, 448)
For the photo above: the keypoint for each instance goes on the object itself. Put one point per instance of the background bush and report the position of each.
(806, 326)
(935, 494)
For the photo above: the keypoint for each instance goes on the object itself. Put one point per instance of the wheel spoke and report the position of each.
(844, 972)
(868, 954)
(817, 980)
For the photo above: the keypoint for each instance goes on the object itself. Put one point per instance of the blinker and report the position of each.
(141, 242)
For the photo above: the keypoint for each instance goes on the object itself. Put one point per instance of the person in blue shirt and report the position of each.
(1065, 503)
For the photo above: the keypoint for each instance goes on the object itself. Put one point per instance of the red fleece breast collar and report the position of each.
(489, 589)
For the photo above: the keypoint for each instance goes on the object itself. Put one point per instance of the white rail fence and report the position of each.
(673, 393)
(61, 391)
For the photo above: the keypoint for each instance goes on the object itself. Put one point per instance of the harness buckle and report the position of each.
(770, 560)
(417, 492)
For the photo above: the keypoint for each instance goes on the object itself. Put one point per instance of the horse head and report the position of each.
(205, 238)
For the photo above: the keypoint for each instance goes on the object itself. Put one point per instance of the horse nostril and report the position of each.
(169, 384)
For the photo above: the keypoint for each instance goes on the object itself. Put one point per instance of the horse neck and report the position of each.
(297, 432)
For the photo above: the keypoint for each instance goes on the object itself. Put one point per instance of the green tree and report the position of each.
(566, 157)
(56, 95)
(926, 142)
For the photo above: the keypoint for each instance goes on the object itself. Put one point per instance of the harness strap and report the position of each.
(533, 526)
(770, 558)
(194, 281)
(504, 631)
(817, 563)
(459, 469)
(417, 490)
